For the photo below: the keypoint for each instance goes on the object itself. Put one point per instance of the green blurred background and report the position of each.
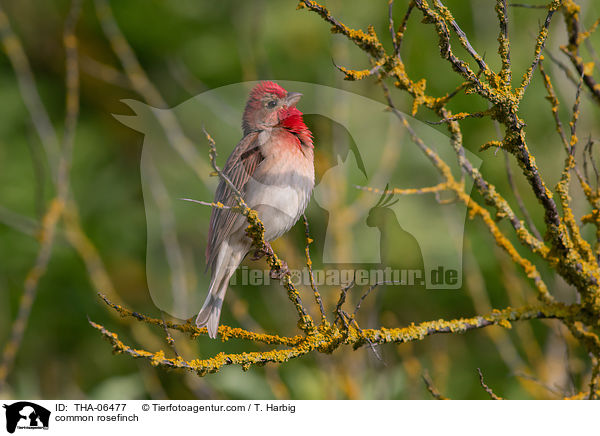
(186, 47)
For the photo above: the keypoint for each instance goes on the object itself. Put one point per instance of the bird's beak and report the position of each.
(292, 99)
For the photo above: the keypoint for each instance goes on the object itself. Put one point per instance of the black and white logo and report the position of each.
(26, 415)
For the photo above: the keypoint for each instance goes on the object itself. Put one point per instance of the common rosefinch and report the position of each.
(272, 167)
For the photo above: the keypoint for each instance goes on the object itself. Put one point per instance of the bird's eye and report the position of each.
(271, 104)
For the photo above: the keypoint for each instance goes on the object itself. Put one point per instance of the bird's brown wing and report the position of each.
(240, 166)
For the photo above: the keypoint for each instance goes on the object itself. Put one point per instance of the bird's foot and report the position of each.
(262, 252)
(277, 274)
(267, 250)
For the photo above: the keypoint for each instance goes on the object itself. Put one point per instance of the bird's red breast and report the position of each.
(291, 120)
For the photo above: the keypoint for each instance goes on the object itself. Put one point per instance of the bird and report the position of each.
(273, 168)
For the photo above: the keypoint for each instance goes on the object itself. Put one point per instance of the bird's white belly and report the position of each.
(278, 205)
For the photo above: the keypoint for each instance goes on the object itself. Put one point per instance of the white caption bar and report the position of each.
(24, 417)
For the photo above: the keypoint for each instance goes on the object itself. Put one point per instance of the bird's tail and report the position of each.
(211, 310)
(226, 263)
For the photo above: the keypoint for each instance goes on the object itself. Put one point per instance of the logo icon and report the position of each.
(26, 415)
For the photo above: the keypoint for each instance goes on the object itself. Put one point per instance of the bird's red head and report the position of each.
(270, 105)
(267, 88)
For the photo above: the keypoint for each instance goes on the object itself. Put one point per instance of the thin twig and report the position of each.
(104, 72)
(504, 44)
(486, 388)
(168, 235)
(539, 48)
(168, 336)
(402, 29)
(143, 86)
(340, 314)
(520, 202)
(431, 387)
(27, 87)
(595, 379)
(52, 216)
(369, 290)
(316, 292)
(391, 26)
(524, 5)
(462, 116)
(462, 37)
(217, 205)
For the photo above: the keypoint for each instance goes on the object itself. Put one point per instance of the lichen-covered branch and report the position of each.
(576, 37)
(190, 328)
(563, 247)
(325, 340)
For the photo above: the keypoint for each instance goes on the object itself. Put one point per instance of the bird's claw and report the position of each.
(263, 251)
(277, 274)
(267, 250)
